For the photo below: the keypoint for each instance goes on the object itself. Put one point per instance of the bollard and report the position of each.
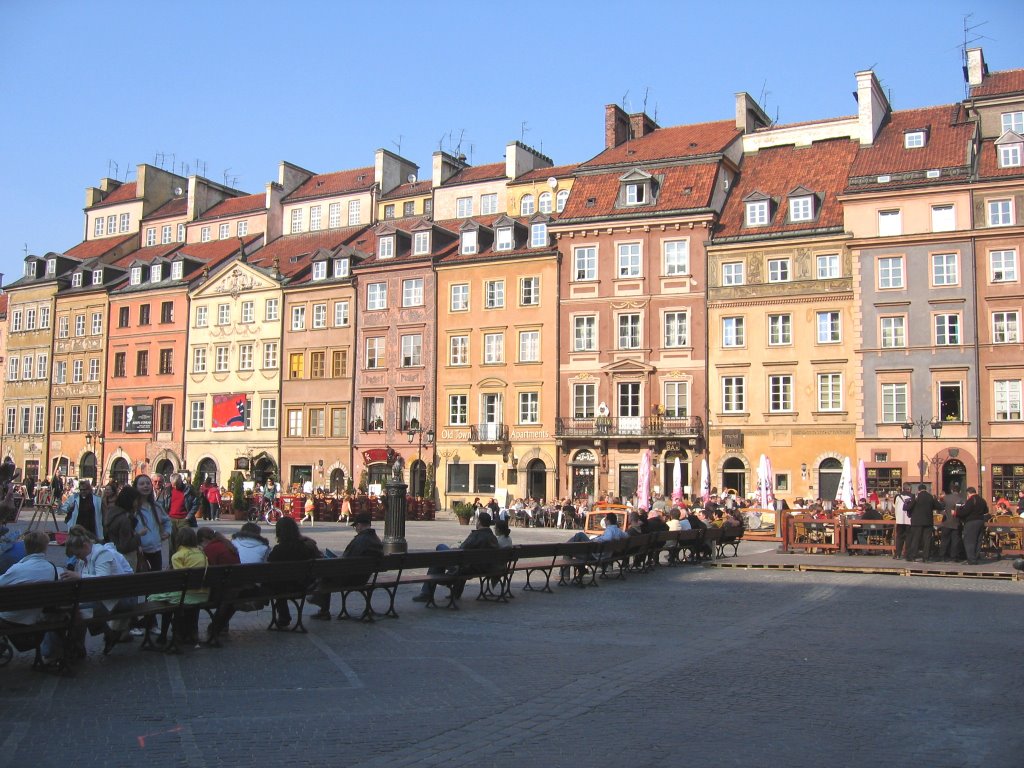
(394, 517)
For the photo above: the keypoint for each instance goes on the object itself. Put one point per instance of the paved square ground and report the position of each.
(683, 666)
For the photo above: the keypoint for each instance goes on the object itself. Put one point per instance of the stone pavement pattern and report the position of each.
(689, 665)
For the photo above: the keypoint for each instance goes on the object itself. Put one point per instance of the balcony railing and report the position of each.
(488, 433)
(630, 426)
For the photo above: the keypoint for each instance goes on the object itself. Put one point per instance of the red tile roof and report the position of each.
(3, 304)
(821, 167)
(147, 254)
(477, 173)
(337, 183)
(680, 187)
(90, 249)
(235, 206)
(673, 142)
(293, 252)
(215, 250)
(946, 147)
(988, 163)
(540, 174)
(176, 207)
(420, 187)
(121, 194)
(999, 83)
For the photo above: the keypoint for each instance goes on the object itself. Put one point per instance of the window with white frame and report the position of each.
(268, 413)
(204, 235)
(386, 247)
(890, 223)
(943, 218)
(830, 391)
(421, 243)
(780, 330)
(135, 276)
(584, 398)
(629, 330)
(243, 228)
(529, 407)
(270, 355)
(584, 263)
(166, 234)
(947, 329)
(248, 312)
(334, 215)
(314, 218)
(584, 333)
(374, 352)
(26, 370)
(544, 202)
(202, 316)
(828, 266)
(945, 269)
(503, 239)
(377, 296)
(494, 294)
(526, 206)
(890, 272)
(354, 212)
(1009, 155)
(629, 399)
(156, 273)
(341, 314)
(76, 418)
(246, 357)
(62, 327)
(778, 270)
(409, 208)
(494, 348)
(780, 393)
(51, 267)
(99, 226)
(412, 350)
(677, 329)
(529, 291)
(94, 368)
(734, 394)
(538, 235)
(1012, 121)
(412, 292)
(488, 204)
(458, 410)
(733, 332)
(111, 224)
(44, 317)
(224, 231)
(42, 365)
(319, 315)
(469, 242)
(1007, 400)
(181, 233)
(58, 418)
(1005, 327)
(676, 257)
(464, 207)
(220, 359)
(125, 222)
(177, 270)
(272, 310)
(560, 200)
(295, 225)
(732, 273)
(97, 323)
(294, 422)
(629, 259)
(79, 325)
(757, 213)
(16, 318)
(894, 403)
(223, 314)
(30, 319)
(458, 350)
(76, 280)
(459, 293)
(913, 139)
(1000, 213)
(676, 399)
(529, 346)
(199, 360)
(829, 330)
(340, 267)
(373, 414)
(893, 331)
(801, 208)
(319, 270)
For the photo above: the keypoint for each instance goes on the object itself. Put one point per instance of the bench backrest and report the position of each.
(132, 585)
(37, 594)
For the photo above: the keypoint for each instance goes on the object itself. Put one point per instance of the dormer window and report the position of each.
(757, 213)
(635, 194)
(51, 267)
(801, 205)
(421, 243)
(136, 276)
(915, 139)
(76, 280)
(469, 242)
(504, 239)
(30, 269)
(177, 270)
(156, 273)
(97, 277)
(386, 247)
(319, 270)
(1009, 146)
(560, 200)
(341, 268)
(635, 188)
(538, 235)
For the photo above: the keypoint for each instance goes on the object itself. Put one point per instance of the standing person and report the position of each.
(922, 525)
(183, 505)
(307, 510)
(57, 486)
(346, 508)
(153, 524)
(85, 509)
(121, 525)
(901, 510)
(973, 515)
(951, 542)
(213, 498)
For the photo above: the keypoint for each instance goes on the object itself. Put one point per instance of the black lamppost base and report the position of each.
(394, 518)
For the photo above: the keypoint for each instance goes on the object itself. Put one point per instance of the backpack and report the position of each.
(121, 532)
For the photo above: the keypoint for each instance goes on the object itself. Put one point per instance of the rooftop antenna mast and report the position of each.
(968, 40)
(647, 90)
(398, 144)
(112, 164)
(522, 131)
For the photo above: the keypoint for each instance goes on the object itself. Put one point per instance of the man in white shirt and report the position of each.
(33, 567)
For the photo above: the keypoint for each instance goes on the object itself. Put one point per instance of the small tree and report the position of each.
(364, 481)
(428, 483)
(237, 491)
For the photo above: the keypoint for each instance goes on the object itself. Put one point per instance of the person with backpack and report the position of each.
(213, 497)
(121, 523)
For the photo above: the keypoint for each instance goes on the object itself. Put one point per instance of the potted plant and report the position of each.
(463, 510)
(238, 500)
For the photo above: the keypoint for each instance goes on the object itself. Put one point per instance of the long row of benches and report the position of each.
(254, 586)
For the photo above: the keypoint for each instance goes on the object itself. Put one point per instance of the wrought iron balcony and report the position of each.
(630, 426)
(488, 433)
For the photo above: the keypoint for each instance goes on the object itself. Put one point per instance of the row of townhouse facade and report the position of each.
(848, 287)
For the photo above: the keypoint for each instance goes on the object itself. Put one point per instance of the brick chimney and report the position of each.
(976, 68)
(641, 125)
(616, 126)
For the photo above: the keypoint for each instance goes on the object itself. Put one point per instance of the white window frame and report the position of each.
(801, 208)
(1009, 155)
(1006, 270)
(224, 231)
(224, 314)
(315, 218)
(458, 350)
(341, 314)
(830, 392)
(914, 140)
(199, 360)
(945, 269)
(494, 348)
(202, 317)
(733, 273)
(494, 294)
(334, 215)
(832, 331)
(270, 355)
(779, 270)
(629, 260)
(892, 331)
(529, 346)
(204, 235)
(943, 217)
(458, 297)
(412, 350)
(999, 212)
(458, 410)
(1006, 327)
(544, 202)
(675, 256)
(780, 393)
(780, 330)
(488, 203)
(526, 205)
(319, 316)
(890, 222)
(734, 394)
(585, 333)
(948, 329)
(1006, 402)
(412, 292)
(354, 213)
(529, 291)
(539, 235)
(529, 408)
(463, 207)
(295, 221)
(469, 242)
(676, 329)
(894, 402)
(584, 263)
(1012, 121)
(272, 310)
(299, 318)
(420, 243)
(756, 213)
(319, 271)
(629, 331)
(386, 247)
(376, 296)
(734, 332)
(890, 273)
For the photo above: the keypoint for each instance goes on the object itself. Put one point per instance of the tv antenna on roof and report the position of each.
(398, 144)
(112, 164)
(968, 29)
(647, 90)
(522, 131)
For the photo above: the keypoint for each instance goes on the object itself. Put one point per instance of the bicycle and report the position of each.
(263, 510)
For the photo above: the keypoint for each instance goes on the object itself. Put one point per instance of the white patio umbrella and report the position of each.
(677, 482)
(643, 491)
(765, 483)
(862, 480)
(844, 492)
(705, 480)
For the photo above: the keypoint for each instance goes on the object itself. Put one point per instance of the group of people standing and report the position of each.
(961, 527)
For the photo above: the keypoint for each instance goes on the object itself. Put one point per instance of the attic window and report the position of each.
(341, 268)
(636, 194)
(319, 270)
(636, 188)
(30, 269)
(469, 242)
(76, 280)
(504, 239)
(591, 202)
(386, 247)
(421, 243)
(1009, 155)
(361, 177)
(294, 259)
(51, 267)
(801, 208)
(97, 277)
(914, 139)
(177, 270)
(757, 213)
(136, 276)
(156, 273)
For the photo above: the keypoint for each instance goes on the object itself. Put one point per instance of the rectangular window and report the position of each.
(584, 263)
(224, 231)
(10, 423)
(488, 204)
(943, 218)
(757, 213)
(341, 314)
(374, 352)
(296, 365)
(180, 239)
(1005, 327)
(529, 346)
(629, 260)
(1000, 213)
(951, 405)
(298, 318)
(221, 359)
(124, 222)
(733, 332)
(529, 291)
(494, 294)
(584, 401)
(319, 315)
(503, 239)
(270, 355)
(319, 270)
(529, 408)
(1009, 156)
(947, 330)
(894, 332)
(144, 314)
(801, 208)
(494, 348)
(167, 360)
(828, 266)
(629, 400)
(584, 333)
(197, 415)
(16, 317)
(677, 327)
(223, 314)
(243, 228)
(199, 360)
(830, 391)
(732, 273)
(94, 368)
(296, 221)
(91, 413)
(373, 414)
(458, 410)
(316, 422)
(334, 215)
(273, 308)
(890, 272)
(120, 365)
(829, 331)
(166, 423)
(353, 213)
(167, 312)
(62, 325)
(780, 330)
(469, 241)
(204, 235)
(733, 394)
(412, 350)
(676, 256)
(890, 223)
(44, 316)
(60, 371)
(339, 422)
(314, 218)
(248, 312)
(268, 413)
(459, 297)
(1008, 400)
(538, 235)
(58, 419)
(30, 319)
(894, 403)
(294, 422)
(80, 324)
(409, 413)
(386, 247)
(99, 226)
(629, 331)
(458, 350)
(464, 207)
(945, 269)
(39, 411)
(1003, 266)
(77, 370)
(635, 194)
(202, 317)
(421, 243)
(676, 399)
(377, 296)
(339, 363)
(913, 139)
(778, 270)
(1012, 121)
(412, 292)
(780, 393)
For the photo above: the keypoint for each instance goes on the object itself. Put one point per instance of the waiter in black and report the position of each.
(973, 514)
(922, 524)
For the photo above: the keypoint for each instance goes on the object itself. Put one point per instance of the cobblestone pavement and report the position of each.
(689, 665)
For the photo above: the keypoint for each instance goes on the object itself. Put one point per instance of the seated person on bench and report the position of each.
(366, 543)
(32, 567)
(481, 538)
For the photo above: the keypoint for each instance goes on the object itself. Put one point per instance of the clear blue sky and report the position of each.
(241, 86)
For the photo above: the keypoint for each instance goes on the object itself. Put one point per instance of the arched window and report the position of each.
(337, 481)
(87, 467)
(526, 205)
(563, 196)
(544, 202)
(207, 471)
(119, 470)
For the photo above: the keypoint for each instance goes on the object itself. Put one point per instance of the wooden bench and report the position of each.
(531, 558)
(731, 535)
(339, 574)
(59, 596)
(398, 566)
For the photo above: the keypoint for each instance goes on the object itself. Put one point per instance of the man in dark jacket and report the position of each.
(951, 543)
(922, 524)
(973, 514)
(366, 543)
(481, 538)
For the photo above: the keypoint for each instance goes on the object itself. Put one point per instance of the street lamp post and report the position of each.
(920, 423)
(414, 434)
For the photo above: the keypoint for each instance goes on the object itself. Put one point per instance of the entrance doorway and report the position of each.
(87, 468)
(584, 472)
(829, 473)
(120, 470)
(629, 480)
(337, 481)
(164, 467)
(734, 476)
(954, 471)
(537, 480)
(669, 471)
(207, 471)
(417, 478)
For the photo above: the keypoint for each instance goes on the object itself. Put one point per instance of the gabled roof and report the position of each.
(1000, 83)
(294, 253)
(782, 172)
(121, 194)
(176, 207)
(988, 161)
(235, 206)
(147, 255)
(89, 249)
(681, 187)
(947, 147)
(451, 253)
(215, 250)
(408, 189)
(475, 173)
(336, 183)
(680, 141)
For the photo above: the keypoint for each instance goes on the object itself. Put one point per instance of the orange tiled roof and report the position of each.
(122, 194)
(946, 147)
(420, 187)
(234, 206)
(337, 183)
(540, 174)
(293, 252)
(988, 163)
(176, 207)
(681, 187)
(90, 249)
(998, 83)
(477, 173)
(214, 250)
(821, 167)
(147, 254)
(667, 143)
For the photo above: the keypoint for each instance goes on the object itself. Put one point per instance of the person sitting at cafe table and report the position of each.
(866, 512)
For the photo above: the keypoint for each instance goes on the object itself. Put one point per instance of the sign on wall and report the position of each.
(229, 413)
(138, 419)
